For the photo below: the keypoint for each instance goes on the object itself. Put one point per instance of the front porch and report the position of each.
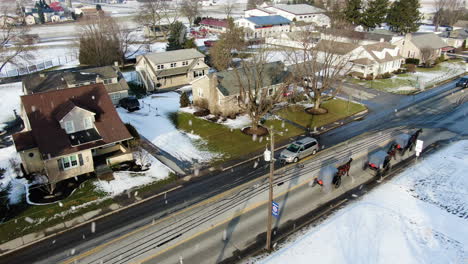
(111, 155)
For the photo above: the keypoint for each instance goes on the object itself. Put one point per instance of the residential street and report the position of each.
(427, 114)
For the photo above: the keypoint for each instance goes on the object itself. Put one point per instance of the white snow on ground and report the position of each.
(239, 122)
(153, 122)
(431, 28)
(419, 216)
(125, 180)
(14, 187)
(10, 101)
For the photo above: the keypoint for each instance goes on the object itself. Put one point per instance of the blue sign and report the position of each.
(275, 209)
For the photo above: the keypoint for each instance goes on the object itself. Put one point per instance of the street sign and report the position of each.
(274, 209)
(419, 147)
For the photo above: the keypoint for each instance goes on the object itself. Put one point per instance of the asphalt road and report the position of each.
(445, 113)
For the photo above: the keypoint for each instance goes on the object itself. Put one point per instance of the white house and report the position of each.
(264, 26)
(302, 12)
(365, 60)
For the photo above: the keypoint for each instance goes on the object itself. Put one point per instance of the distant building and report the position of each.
(157, 32)
(264, 26)
(109, 76)
(300, 12)
(214, 25)
(412, 44)
(170, 69)
(220, 91)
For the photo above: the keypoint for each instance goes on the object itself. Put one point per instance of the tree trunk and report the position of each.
(317, 101)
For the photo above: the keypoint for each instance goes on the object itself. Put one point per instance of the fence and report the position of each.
(58, 61)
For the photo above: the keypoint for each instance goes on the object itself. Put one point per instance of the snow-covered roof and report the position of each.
(300, 9)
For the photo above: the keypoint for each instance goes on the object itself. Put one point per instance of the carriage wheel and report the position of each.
(338, 181)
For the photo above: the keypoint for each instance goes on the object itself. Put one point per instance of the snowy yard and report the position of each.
(420, 216)
(153, 122)
(124, 180)
(410, 82)
(11, 93)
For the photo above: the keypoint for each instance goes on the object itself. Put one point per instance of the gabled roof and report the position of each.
(173, 55)
(42, 110)
(262, 9)
(357, 35)
(230, 81)
(379, 46)
(427, 40)
(54, 80)
(268, 20)
(336, 47)
(214, 22)
(300, 9)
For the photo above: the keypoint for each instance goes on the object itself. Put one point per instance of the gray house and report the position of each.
(220, 92)
(110, 76)
(412, 44)
(170, 69)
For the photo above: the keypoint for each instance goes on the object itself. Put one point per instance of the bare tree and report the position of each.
(232, 39)
(156, 13)
(190, 9)
(14, 42)
(261, 86)
(228, 8)
(439, 8)
(103, 41)
(447, 12)
(428, 56)
(320, 67)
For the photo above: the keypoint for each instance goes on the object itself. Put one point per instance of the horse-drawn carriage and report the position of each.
(332, 175)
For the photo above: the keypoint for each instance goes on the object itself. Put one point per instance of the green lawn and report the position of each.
(337, 109)
(232, 143)
(409, 83)
(43, 215)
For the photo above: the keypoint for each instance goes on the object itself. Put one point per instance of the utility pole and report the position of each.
(270, 194)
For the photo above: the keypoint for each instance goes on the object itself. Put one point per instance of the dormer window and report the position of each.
(69, 127)
(88, 122)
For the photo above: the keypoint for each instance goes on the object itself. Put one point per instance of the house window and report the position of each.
(184, 63)
(69, 127)
(270, 91)
(107, 81)
(88, 123)
(198, 73)
(69, 162)
(173, 65)
(160, 66)
(115, 96)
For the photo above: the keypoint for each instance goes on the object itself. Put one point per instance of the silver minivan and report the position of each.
(299, 149)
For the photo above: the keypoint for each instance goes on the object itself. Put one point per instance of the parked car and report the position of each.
(463, 82)
(130, 103)
(299, 150)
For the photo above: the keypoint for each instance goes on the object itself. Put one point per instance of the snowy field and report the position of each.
(13, 188)
(11, 93)
(420, 216)
(153, 122)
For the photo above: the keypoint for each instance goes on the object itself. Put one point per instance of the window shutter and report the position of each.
(80, 158)
(60, 165)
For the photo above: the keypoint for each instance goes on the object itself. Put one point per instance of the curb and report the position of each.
(73, 223)
(81, 220)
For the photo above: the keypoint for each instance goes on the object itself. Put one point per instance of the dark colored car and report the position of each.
(463, 82)
(130, 103)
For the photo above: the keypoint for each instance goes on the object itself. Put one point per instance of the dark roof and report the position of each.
(55, 80)
(64, 109)
(214, 22)
(83, 137)
(24, 141)
(42, 110)
(357, 35)
(229, 82)
(268, 20)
